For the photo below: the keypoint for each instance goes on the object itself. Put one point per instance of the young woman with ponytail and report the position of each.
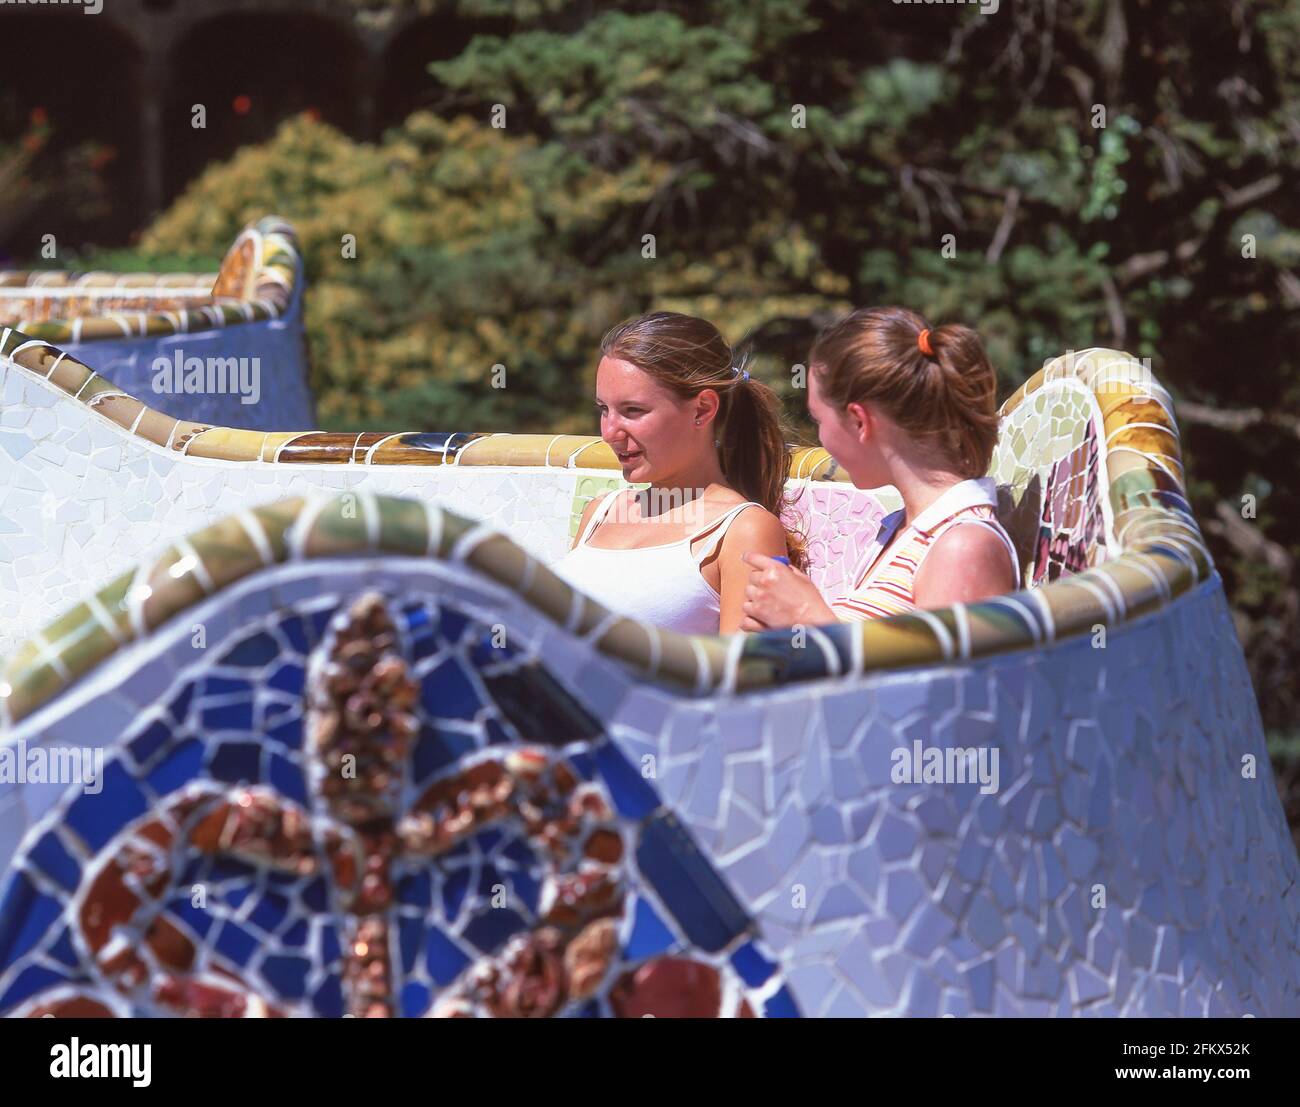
(898, 402)
(707, 439)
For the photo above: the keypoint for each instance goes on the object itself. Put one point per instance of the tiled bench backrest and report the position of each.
(1052, 485)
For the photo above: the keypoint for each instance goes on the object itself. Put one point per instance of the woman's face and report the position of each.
(841, 435)
(651, 430)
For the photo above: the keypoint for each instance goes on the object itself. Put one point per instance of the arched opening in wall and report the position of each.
(70, 134)
(251, 72)
(406, 85)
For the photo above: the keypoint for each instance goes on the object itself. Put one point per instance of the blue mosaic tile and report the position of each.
(539, 708)
(316, 623)
(489, 929)
(287, 779)
(63, 951)
(270, 911)
(180, 705)
(316, 895)
(196, 919)
(781, 1006)
(707, 912)
(444, 960)
(236, 762)
(96, 817)
(410, 934)
(415, 1000)
(30, 981)
(454, 890)
(436, 749)
(288, 678)
(287, 975)
(754, 968)
(227, 716)
(273, 927)
(448, 693)
(287, 733)
(154, 737)
(632, 794)
(328, 999)
(24, 916)
(252, 653)
(235, 943)
(51, 858)
(650, 935)
(452, 625)
(295, 633)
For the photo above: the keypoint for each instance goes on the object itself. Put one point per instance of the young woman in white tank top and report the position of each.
(708, 442)
(899, 403)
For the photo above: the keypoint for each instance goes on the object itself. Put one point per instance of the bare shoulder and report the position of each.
(754, 529)
(965, 564)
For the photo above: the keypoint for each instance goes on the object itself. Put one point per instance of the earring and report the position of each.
(697, 422)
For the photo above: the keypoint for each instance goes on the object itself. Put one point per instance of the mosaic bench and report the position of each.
(119, 324)
(554, 810)
(97, 481)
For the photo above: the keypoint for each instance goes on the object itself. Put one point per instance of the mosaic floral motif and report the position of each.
(373, 810)
(360, 802)
(1119, 767)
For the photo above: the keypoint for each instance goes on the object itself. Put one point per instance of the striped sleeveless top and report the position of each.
(884, 586)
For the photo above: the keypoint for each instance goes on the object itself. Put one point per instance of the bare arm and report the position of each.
(752, 531)
(966, 564)
(778, 595)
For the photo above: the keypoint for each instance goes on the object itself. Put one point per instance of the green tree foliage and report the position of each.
(1113, 172)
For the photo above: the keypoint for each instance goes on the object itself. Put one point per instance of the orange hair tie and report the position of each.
(923, 341)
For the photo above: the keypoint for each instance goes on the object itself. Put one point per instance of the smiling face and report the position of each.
(846, 436)
(650, 429)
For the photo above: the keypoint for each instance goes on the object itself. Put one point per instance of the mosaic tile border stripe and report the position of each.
(1163, 556)
(568, 451)
(256, 282)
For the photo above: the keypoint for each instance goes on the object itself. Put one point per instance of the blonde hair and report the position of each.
(686, 355)
(946, 399)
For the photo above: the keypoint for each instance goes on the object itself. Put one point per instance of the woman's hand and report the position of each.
(779, 595)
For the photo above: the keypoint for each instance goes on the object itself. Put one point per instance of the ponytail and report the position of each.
(936, 383)
(753, 454)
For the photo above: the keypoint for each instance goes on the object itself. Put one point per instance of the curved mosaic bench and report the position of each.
(96, 481)
(119, 324)
(704, 825)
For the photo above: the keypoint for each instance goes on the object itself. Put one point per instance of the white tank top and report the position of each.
(656, 584)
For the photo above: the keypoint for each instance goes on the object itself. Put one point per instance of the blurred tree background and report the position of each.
(1115, 172)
